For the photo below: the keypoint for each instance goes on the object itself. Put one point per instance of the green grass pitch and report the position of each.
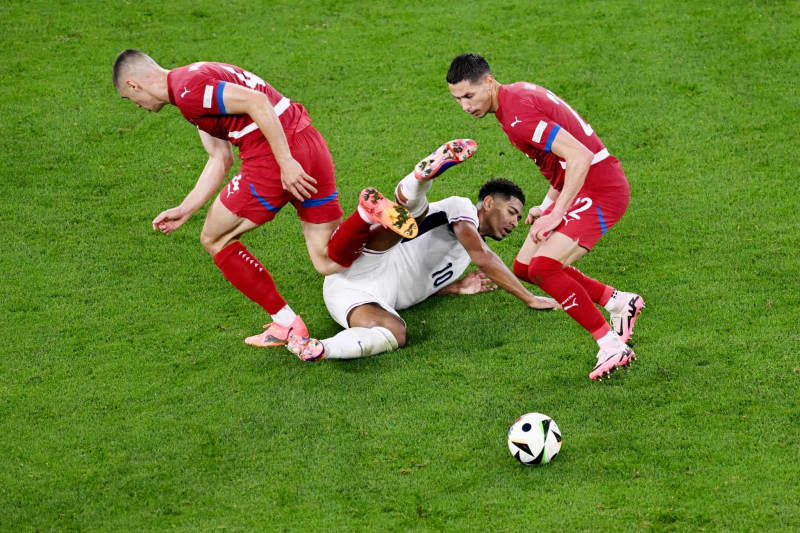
(128, 400)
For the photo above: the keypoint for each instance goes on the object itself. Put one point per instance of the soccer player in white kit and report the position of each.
(394, 274)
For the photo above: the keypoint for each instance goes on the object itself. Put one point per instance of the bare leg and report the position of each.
(373, 315)
(317, 238)
(222, 227)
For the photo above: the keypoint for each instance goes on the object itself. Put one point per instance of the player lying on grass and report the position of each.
(394, 274)
(588, 194)
(284, 160)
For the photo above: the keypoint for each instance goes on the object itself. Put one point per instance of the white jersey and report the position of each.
(410, 271)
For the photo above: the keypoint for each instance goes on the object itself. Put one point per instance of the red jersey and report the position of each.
(531, 116)
(197, 90)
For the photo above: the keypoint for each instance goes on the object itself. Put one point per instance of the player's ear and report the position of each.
(488, 202)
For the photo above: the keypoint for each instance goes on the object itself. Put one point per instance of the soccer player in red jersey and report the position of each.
(588, 194)
(284, 160)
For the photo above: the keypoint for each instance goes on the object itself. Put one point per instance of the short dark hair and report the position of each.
(471, 67)
(123, 58)
(503, 187)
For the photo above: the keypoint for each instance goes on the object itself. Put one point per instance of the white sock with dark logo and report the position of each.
(353, 343)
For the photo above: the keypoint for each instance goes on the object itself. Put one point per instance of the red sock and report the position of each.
(521, 271)
(349, 239)
(599, 292)
(549, 275)
(248, 275)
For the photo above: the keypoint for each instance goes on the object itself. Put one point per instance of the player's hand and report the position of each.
(295, 180)
(168, 221)
(544, 225)
(533, 213)
(543, 304)
(475, 282)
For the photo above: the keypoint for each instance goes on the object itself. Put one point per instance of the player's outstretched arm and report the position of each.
(488, 261)
(243, 101)
(220, 160)
(473, 283)
(578, 159)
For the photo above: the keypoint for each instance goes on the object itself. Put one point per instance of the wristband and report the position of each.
(547, 202)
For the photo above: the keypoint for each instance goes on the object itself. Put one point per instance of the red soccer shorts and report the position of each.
(599, 205)
(257, 193)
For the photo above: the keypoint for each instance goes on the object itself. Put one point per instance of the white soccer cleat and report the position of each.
(610, 360)
(627, 309)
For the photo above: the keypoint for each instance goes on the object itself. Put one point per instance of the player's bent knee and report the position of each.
(212, 243)
(326, 267)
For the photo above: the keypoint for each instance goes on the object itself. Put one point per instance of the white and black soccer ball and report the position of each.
(534, 439)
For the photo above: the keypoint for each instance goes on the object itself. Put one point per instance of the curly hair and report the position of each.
(503, 187)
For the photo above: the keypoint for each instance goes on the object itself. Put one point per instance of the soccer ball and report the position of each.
(534, 439)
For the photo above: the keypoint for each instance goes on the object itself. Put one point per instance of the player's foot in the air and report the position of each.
(305, 348)
(623, 317)
(449, 154)
(387, 213)
(277, 335)
(610, 360)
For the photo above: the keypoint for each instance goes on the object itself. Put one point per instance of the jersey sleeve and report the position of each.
(459, 208)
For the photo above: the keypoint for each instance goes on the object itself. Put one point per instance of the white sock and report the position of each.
(611, 304)
(415, 192)
(353, 343)
(364, 215)
(610, 342)
(285, 316)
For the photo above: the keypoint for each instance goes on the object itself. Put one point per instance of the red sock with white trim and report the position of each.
(549, 275)
(599, 292)
(248, 275)
(349, 239)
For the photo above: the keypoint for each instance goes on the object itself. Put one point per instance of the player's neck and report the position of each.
(481, 225)
(157, 85)
(495, 91)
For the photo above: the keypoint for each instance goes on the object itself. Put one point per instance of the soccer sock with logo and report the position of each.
(549, 275)
(415, 191)
(349, 239)
(353, 343)
(248, 275)
(599, 292)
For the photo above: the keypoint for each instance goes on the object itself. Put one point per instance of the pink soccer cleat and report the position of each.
(387, 213)
(629, 307)
(277, 335)
(449, 154)
(305, 348)
(608, 361)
